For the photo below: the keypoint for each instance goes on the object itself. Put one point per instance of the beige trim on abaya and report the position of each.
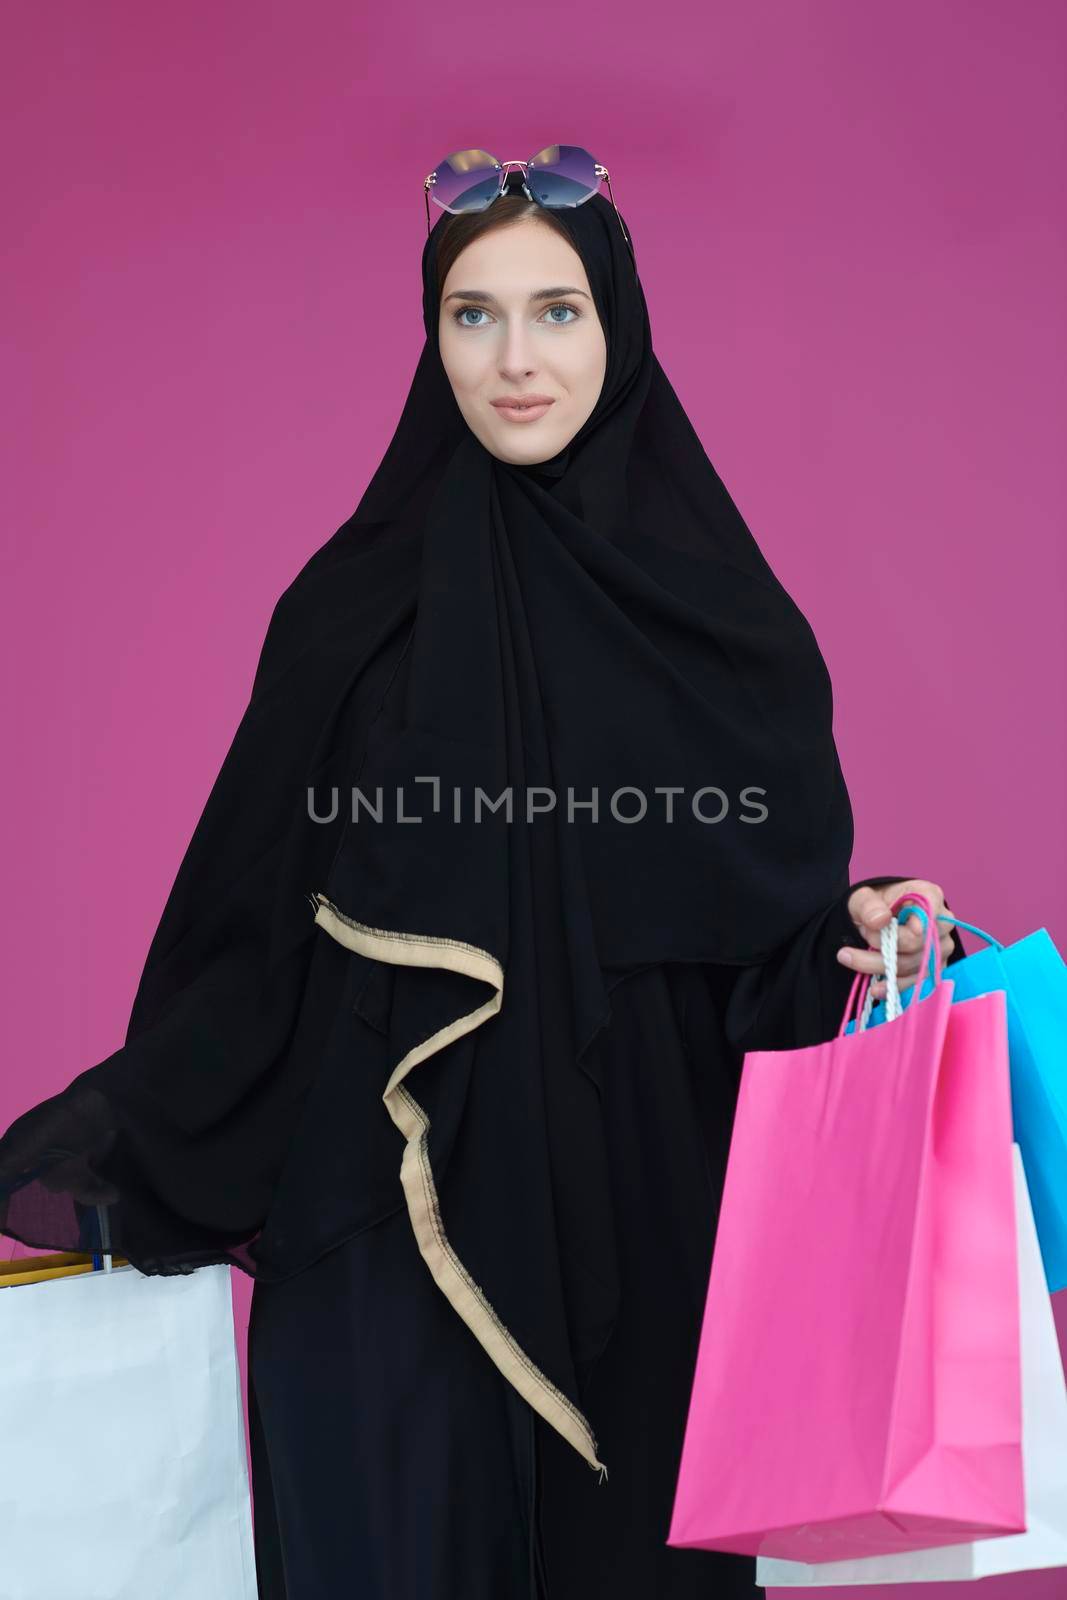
(450, 1275)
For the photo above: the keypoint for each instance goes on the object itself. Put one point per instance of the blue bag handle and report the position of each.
(988, 937)
(907, 911)
(930, 975)
(917, 911)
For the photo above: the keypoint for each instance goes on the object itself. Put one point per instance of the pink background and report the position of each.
(851, 232)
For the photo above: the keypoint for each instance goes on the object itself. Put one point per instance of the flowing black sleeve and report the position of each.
(166, 1151)
(169, 1151)
(798, 996)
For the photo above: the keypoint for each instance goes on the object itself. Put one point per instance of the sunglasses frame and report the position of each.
(505, 168)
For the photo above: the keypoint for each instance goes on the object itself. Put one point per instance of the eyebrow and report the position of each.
(487, 299)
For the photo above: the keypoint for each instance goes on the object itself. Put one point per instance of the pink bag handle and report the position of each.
(862, 980)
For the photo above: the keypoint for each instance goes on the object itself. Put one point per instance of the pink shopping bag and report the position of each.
(857, 1389)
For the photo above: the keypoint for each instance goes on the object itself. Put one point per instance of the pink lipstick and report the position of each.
(523, 408)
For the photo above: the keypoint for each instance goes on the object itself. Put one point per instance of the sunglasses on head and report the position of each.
(559, 175)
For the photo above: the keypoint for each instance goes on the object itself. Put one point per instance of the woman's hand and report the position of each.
(869, 909)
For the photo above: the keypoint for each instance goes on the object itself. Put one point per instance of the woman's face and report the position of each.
(517, 319)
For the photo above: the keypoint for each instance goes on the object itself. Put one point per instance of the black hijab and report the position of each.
(600, 623)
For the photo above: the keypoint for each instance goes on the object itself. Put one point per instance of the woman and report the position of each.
(467, 1124)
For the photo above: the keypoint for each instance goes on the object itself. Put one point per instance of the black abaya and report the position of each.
(390, 1458)
(465, 1119)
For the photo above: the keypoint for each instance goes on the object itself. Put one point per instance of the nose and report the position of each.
(517, 352)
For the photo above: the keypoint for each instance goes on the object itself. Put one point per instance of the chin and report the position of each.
(525, 452)
(533, 454)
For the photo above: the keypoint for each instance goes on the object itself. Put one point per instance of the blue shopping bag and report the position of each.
(1033, 975)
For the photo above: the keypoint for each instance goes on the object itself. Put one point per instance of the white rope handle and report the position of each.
(893, 1004)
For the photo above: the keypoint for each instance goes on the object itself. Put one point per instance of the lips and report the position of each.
(523, 408)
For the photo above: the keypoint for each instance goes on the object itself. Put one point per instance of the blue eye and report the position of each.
(560, 305)
(563, 305)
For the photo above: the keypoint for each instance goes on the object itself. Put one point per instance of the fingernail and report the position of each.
(845, 955)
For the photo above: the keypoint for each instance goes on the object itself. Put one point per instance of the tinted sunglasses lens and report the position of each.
(467, 180)
(562, 175)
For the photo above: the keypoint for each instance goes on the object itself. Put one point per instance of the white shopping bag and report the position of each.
(1044, 1408)
(123, 1473)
